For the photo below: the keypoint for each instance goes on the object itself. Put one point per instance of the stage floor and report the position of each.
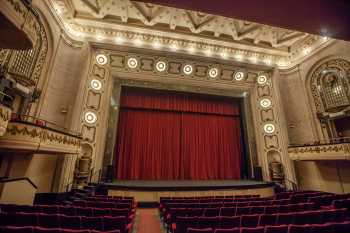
(150, 191)
(171, 185)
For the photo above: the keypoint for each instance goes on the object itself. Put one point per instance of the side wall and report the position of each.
(63, 69)
(304, 128)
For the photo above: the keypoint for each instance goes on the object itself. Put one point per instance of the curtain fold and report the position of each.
(167, 136)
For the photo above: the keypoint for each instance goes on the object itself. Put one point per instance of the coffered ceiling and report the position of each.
(146, 25)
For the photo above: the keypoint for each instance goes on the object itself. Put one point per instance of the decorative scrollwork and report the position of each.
(330, 84)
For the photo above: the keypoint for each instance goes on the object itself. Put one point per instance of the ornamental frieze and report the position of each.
(5, 115)
(22, 136)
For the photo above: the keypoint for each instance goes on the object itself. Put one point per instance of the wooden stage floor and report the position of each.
(150, 191)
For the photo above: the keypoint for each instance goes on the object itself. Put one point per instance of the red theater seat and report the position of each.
(252, 230)
(230, 230)
(13, 229)
(212, 212)
(70, 222)
(227, 211)
(230, 222)
(113, 223)
(208, 222)
(49, 220)
(276, 229)
(300, 229)
(195, 230)
(93, 223)
(46, 230)
(250, 220)
(267, 219)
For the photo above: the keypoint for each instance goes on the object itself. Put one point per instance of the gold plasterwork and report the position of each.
(35, 139)
(5, 115)
(339, 151)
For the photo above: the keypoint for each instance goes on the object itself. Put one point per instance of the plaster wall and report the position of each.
(303, 125)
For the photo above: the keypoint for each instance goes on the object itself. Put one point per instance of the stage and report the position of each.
(150, 191)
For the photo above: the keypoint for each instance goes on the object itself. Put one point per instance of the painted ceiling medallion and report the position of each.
(265, 103)
(90, 117)
(132, 63)
(101, 59)
(188, 69)
(161, 66)
(213, 72)
(262, 79)
(238, 76)
(96, 84)
(269, 128)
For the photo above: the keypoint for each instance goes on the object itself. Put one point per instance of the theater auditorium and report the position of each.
(174, 116)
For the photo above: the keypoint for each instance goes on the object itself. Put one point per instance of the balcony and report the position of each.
(337, 149)
(26, 134)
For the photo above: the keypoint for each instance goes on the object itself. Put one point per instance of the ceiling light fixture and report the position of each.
(188, 69)
(132, 62)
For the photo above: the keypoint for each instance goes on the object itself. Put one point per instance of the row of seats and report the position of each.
(30, 229)
(299, 218)
(166, 207)
(217, 200)
(297, 194)
(328, 199)
(66, 210)
(103, 204)
(210, 197)
(172, 213)
(105, 223)
(343, 227)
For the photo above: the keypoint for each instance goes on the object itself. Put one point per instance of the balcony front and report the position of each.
(25, 134)
(338, 149)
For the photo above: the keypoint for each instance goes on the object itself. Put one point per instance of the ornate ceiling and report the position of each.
(164, 28)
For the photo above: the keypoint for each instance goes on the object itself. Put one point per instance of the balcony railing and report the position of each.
(28, 134)
(335, 149)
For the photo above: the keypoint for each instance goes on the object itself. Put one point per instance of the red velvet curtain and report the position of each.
(176, 136)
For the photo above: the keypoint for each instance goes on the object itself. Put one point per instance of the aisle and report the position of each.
(149, 221)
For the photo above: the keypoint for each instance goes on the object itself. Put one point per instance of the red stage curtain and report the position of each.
(177, 136)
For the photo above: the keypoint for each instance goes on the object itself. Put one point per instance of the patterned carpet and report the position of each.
(148, 221)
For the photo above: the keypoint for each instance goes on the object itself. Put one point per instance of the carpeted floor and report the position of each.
(148, 221)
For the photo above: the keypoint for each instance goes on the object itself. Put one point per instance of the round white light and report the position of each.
(90, 117)
(96, 84)
(262, 79)
(238, 76)
(188, 69)
(265, 103)
(161, 66)
(101, 59)
(132, 62)
(213, 72)
(269, 128)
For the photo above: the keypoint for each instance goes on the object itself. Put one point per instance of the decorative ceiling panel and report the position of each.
(159, 27)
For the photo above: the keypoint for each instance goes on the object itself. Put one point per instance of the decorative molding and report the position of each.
(139, 24)
(340, 64)
(35, 139)
(5, 115)
(339, 151)
(175, 69)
